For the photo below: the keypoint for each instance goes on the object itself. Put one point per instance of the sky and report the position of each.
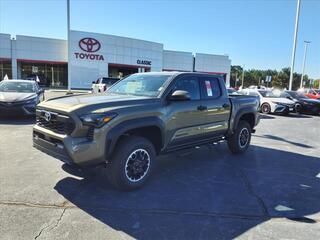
(254, 33)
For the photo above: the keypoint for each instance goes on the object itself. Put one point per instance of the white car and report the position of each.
(270, 103)
(102, 84)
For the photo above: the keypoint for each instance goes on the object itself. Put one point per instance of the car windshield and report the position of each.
(267, 93)
(25, 87)
(296, 95)
(140, 84)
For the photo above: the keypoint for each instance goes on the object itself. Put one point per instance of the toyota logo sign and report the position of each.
(89, 44)
(47, 116)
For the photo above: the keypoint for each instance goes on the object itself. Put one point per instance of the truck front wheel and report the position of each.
(131, 163)
(239, 141)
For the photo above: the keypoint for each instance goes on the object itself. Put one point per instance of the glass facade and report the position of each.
(5, 69)
(50, 75)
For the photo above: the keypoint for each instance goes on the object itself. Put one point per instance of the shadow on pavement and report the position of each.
(283, 140)
(209, 194)
(264, 116)
(17, 120)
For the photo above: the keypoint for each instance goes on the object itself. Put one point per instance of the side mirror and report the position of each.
(93, 82)
(180, 95)
(41, 90)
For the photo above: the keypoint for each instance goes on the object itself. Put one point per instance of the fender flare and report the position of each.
(114, 134)
(240, 113)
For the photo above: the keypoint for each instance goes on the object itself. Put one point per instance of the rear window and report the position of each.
(210, 88)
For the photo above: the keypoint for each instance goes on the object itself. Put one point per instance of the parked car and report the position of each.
(141, 116)
(303, 103)
(270, 103)
(102, 84)
(311, 93)
(40, 79)
(19, 97)
(232, 91)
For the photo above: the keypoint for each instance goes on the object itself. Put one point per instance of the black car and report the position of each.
(303, 103)
(19, 97)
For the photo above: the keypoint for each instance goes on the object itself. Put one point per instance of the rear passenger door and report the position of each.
(217, 104)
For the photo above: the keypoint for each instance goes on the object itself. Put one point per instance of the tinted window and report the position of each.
(210, 88)
(189, 84)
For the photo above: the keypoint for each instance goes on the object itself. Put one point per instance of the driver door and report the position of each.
(185, 117)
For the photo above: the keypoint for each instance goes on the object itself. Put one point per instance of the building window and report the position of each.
(5, 69)
(50, 75)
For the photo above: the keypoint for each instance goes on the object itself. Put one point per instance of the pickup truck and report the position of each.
(102, 84)
(140, 117)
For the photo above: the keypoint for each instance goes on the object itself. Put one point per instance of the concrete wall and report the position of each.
(213, 64)
(41, 49)
(5, 46)
(177, 61)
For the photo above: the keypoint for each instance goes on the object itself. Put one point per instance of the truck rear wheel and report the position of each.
(131, 163)
(239, 141)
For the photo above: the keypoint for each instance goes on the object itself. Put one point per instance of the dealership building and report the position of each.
(94, 55)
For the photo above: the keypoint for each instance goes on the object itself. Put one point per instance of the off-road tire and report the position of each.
(234, 141)
(117, 174)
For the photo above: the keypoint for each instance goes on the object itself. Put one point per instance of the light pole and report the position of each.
(306, 43)
(68, 45)
(242, 76)
(294, 44)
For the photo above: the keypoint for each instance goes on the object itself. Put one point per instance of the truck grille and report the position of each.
(55, 122)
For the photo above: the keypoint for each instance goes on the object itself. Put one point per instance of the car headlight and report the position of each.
(97, 119)
(307, 103)
(33, 100)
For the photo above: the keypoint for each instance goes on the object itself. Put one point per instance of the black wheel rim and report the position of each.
(244, 137)
(137, 165)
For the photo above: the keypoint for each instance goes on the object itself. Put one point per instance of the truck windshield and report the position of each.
(140, 84)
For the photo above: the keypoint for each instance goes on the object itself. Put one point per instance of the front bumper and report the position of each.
(284, 109)
(71, 150)
(17, 109)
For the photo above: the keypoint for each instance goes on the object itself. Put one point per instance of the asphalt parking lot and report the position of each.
(270, 192)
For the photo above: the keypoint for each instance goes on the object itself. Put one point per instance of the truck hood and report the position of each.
(71, 103)
(16, 96)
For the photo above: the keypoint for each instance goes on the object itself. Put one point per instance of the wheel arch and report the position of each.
(246, 114)
(151, 128)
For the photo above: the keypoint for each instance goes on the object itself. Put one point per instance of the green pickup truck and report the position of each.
(140, 117)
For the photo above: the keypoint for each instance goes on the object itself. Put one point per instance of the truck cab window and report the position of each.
(189, 84)
(210, 88)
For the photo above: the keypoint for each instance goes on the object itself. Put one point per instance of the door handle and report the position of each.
(226, 105)
(202, 108)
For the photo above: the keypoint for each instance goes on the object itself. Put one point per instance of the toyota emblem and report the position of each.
(89, 44)
(47, 116)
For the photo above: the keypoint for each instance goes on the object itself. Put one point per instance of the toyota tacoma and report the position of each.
(140, 117)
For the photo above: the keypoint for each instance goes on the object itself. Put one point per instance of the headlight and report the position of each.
(307, 103)
(33, 100)
(97, 120)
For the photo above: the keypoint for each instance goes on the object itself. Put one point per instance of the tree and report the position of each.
(280, 79)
